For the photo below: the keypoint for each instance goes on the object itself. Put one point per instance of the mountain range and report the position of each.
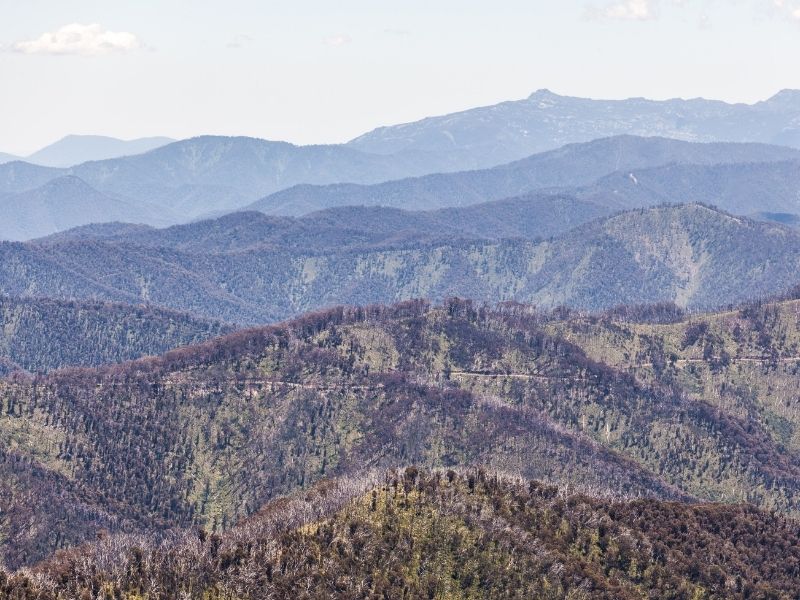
(193, 177)
(544, 349)
(615, 162)
(532, 216)
(76, 149)
(185, 180)
(211, 175)
(248, 269)
(492, 135)
(206, 435)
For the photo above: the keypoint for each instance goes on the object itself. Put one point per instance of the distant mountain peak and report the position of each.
(76, 149)
(543, 93)
(7, 158)
(787, 98)
(492, 135)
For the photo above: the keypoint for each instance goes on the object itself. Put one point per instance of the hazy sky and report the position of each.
(313, 71)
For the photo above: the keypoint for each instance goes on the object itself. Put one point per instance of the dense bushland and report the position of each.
(205, 435)
(39, 334)
(442, 534)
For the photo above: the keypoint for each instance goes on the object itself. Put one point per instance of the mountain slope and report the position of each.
(96, 231)
(209, 174)
(41, 334)
(447, 534)
(205, 435)
(243, 424)
(568, 167)
(693, 255)
(353, 227)
(738, 188)
(246, 167)
(492, 135)
(196, 177)
(18, 176)
(6, 158)
(531, 217)
(76, 149)
(66, 202)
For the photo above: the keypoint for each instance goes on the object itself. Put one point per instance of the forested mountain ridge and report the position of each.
(353, 227)
(741, 188)
(455, 534)
(572, 166)
(492, 135)
(746, 361)
(205, 435)
(693, 255)
(39, 334)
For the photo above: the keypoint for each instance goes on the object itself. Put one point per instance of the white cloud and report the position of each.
(86, 40)
(340, 39)
(632, 10)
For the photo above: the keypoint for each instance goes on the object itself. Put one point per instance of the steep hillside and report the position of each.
(18, 176)
(466, 534)
(695, 256)
(64, 203)
(738, 188)
(745, 361)
(493, 135)
(572, 166)
(206, 435)
(41, 335)
(692, 255)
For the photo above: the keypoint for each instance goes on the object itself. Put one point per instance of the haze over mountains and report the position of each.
(212, 175)
(204, 176)
(66, 202)
(572, 166)
(548, 349)
(488, 136)
(194, 177)
(76, 149)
